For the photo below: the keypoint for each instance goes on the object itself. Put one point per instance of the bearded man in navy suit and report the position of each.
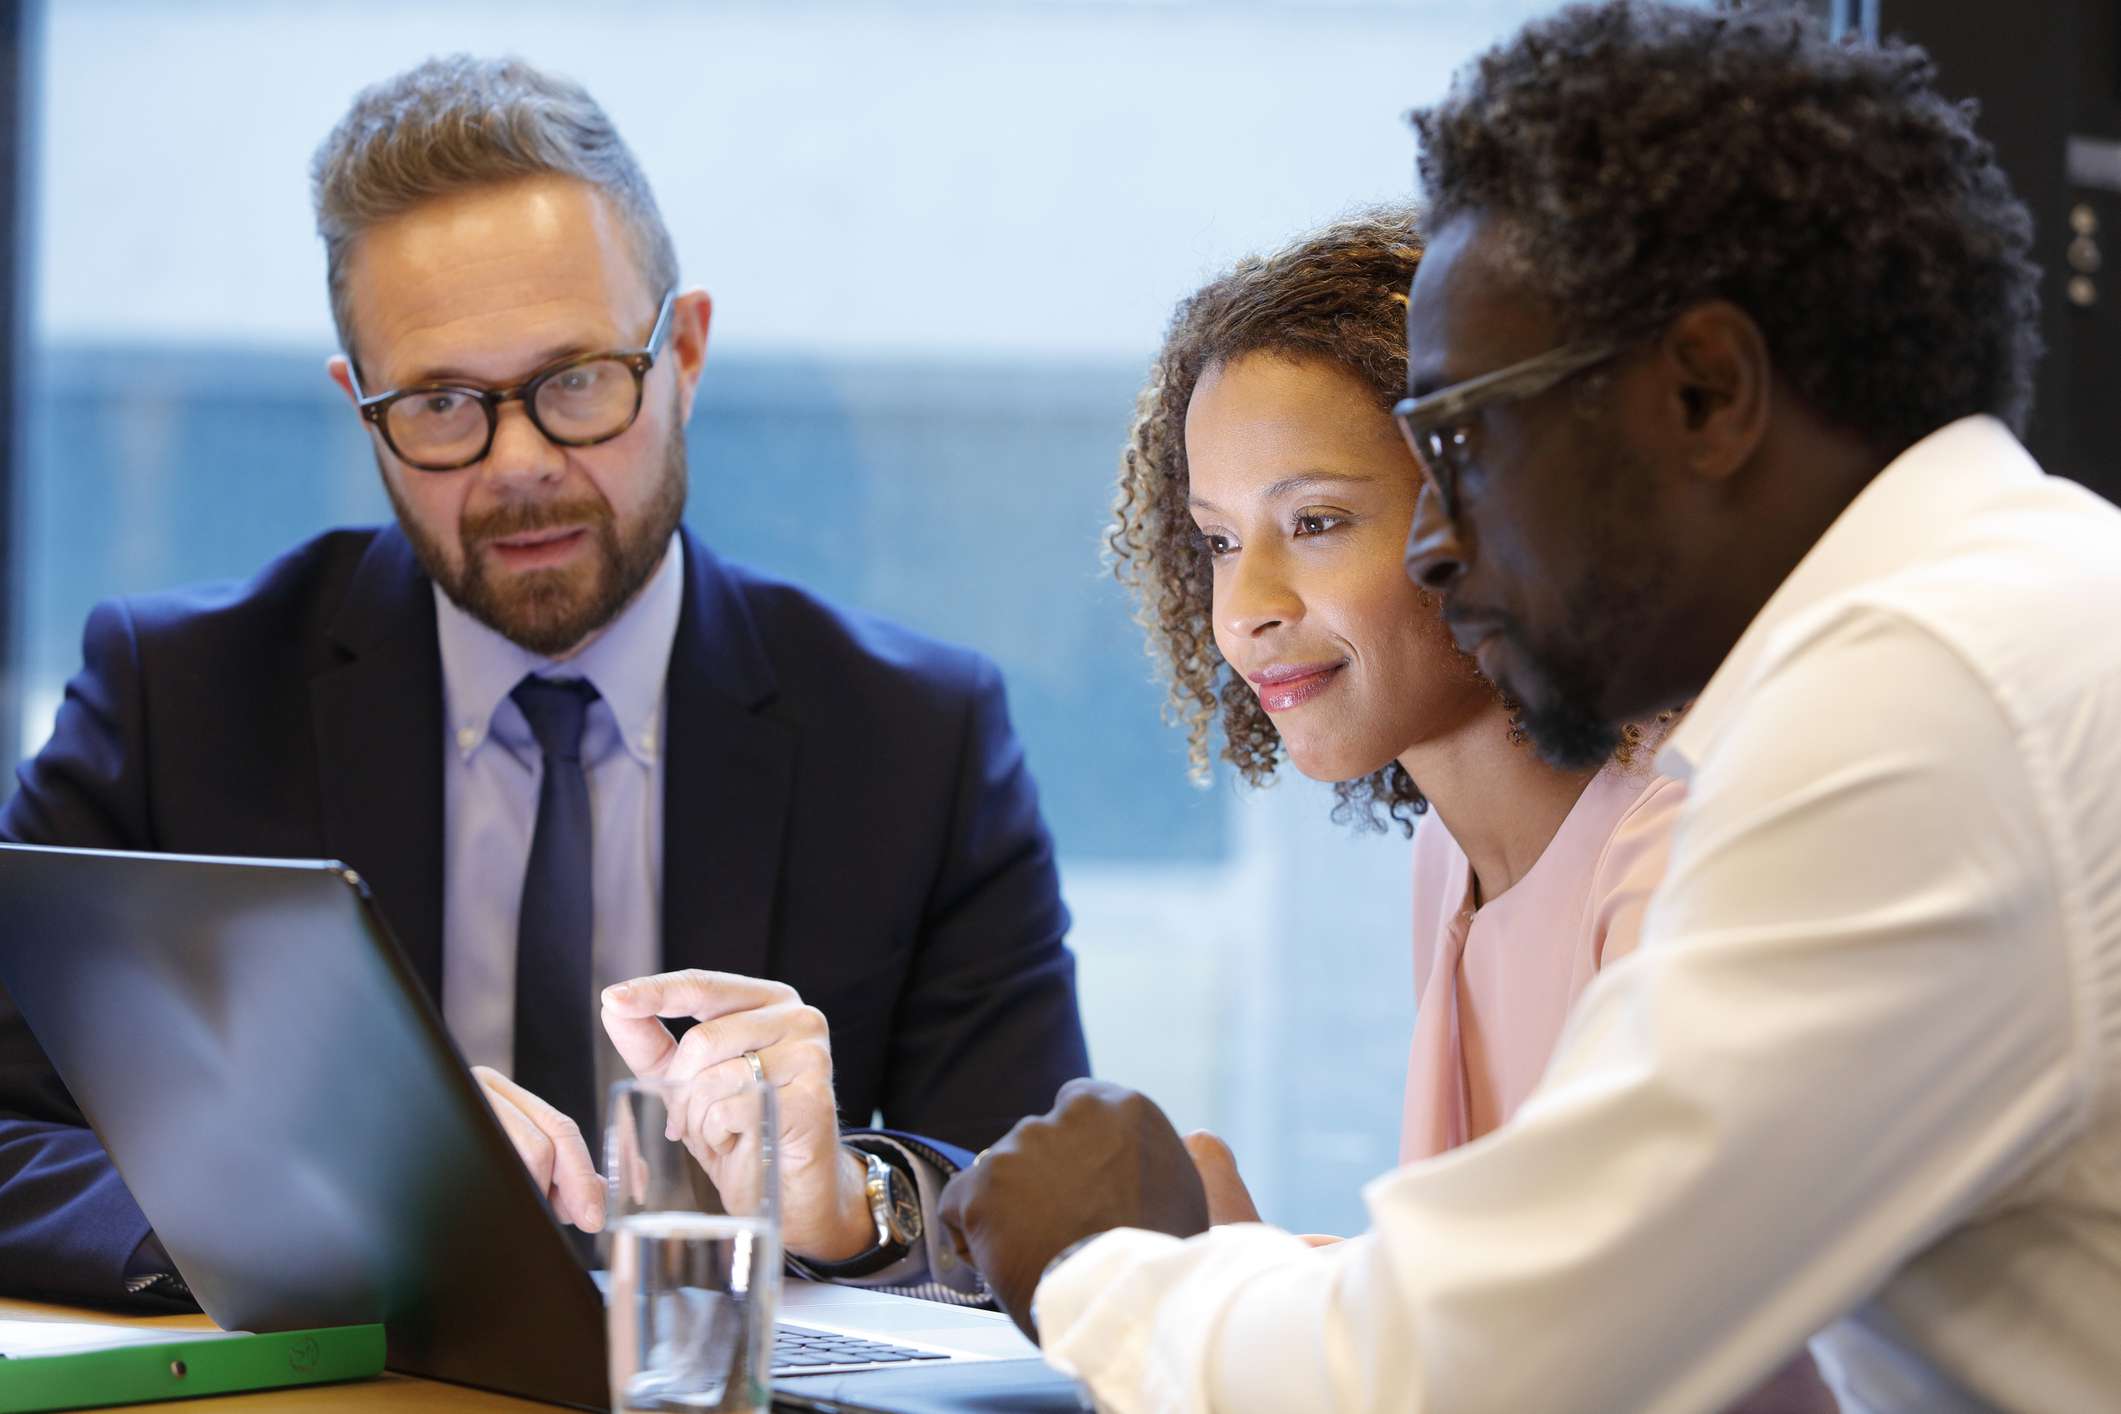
(589, 770)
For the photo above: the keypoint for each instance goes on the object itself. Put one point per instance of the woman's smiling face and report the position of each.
(1303, 490)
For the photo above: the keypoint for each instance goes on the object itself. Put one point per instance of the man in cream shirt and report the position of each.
(1716, 358)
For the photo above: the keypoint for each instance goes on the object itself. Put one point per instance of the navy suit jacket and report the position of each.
(846, 809)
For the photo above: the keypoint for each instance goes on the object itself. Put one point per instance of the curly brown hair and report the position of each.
(1339, 295)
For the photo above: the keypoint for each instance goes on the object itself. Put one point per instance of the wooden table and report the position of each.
(400, 1394)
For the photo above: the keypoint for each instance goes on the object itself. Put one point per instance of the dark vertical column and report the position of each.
(16, 86)
(2048, 79)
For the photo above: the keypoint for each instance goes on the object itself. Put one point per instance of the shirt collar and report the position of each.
(627, 663)
(1893, 522)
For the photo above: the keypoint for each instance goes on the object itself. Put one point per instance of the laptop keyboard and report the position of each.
(801, 1349)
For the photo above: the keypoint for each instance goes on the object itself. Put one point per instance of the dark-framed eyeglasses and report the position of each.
(1438, 426)
(574, 402)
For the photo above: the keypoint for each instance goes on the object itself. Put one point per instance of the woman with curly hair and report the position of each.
(1264, 498)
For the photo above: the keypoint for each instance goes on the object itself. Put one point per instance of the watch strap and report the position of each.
(880, 1174)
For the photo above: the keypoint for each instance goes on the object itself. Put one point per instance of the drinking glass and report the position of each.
(695, 1262)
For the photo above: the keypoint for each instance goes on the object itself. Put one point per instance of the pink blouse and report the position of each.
(1493, 986)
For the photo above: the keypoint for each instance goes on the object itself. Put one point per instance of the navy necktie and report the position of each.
(555, 1056)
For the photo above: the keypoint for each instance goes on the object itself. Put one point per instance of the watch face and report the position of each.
(905, 1208)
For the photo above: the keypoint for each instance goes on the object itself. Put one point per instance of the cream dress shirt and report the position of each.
(1864, 1071)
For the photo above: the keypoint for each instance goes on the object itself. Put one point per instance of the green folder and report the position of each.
(182, 1369)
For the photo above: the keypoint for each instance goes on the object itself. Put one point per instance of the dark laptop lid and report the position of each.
(282, 1099)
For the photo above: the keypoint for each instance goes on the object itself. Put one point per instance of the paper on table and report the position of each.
(32, 1337)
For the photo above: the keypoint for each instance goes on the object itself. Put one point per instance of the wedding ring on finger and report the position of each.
(758, 1067)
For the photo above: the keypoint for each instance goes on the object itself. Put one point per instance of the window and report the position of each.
(943, 239)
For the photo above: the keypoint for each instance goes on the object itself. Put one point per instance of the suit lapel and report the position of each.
(377, 717)
(729, 765)
(729, 768)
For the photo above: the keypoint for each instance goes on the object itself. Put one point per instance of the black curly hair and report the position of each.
(1637, 157)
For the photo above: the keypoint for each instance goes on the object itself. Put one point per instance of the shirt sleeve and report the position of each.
(1848, 1028)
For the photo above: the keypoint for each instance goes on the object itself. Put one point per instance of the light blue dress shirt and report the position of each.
(490, 774)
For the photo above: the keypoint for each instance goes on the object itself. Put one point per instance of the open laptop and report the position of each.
(281, 1097)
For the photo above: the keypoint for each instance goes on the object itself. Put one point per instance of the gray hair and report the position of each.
(455, 124)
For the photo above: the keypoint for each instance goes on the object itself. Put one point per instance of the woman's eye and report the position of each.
(1317, 522)
(1217, 546)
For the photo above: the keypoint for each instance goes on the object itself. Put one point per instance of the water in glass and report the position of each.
(695, 1254)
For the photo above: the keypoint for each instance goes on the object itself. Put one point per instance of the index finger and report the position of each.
(694, 992)
(575, 1183)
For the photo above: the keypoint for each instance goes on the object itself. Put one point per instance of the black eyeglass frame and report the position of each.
(1434, 424)
(376, 407)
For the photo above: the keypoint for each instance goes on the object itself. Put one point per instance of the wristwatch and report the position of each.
(892, 1202)
(895, 1204)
